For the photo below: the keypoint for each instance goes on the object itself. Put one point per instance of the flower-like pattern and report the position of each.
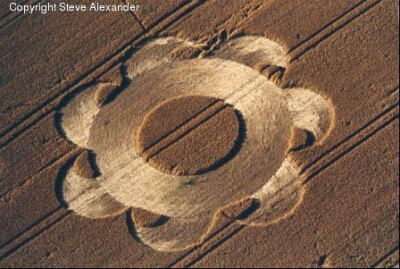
(179, 208)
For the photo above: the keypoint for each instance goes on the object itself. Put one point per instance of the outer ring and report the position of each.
(135, 183)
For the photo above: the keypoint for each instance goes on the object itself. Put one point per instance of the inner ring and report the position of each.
(188, 135)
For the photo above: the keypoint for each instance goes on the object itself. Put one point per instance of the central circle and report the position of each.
(188, 135)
